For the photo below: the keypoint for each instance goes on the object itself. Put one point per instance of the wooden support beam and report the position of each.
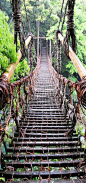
(77, 63)
(10, 70)
(37, 39)
(40, 37)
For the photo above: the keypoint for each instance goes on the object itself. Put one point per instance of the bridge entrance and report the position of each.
(41, 149)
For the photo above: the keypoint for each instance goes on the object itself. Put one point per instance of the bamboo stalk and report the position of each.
(10, 70)
(77, 63)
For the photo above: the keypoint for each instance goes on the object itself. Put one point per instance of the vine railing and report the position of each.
(18, 97)
(70, 97)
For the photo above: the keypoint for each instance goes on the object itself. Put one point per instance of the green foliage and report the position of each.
(21, 70)
(2, 179)
(7, 48)
(6, 7)
(71, 66)
(80, 130)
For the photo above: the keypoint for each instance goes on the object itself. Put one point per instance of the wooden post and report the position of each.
(37, 40)
(40, 46)
(47, 47)
(50, 41)
(77, 63)
(28, 55)
(50, 50)
(34, 43)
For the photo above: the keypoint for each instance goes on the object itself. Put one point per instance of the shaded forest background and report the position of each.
(47, 14)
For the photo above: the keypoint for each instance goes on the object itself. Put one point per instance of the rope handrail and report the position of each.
(18, 96)
(64, 86)
(4, 80)
(80, 86)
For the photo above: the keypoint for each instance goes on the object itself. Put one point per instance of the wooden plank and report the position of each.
(43, 174)
(45, 139)
(44, 143)
(44, 163)
(76, 152)
(52, 181)
(40, 37)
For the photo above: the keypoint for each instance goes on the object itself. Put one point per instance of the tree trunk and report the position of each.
(29, 28)
(28, 55)
(34, 44)
(40, 46)
(50, 41)
(37, 39)
(50, 50)
(47, 46)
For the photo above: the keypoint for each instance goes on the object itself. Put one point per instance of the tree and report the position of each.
(6, 7)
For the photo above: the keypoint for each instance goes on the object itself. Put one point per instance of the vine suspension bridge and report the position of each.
(43, 145)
